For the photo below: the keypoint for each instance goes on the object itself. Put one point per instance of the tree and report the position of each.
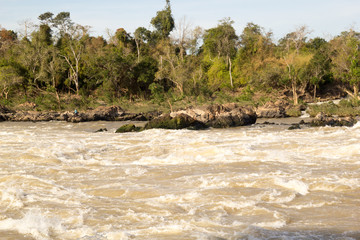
(256, 62)
(320, 64)
(296, 60)
(46, 18)
(28, 27)
(72, 48)
(346, 60)
(221, 42)
(174, 68)
(9, 78)
(163, 22)
(115, 72)
(141, 36)
(7, 40)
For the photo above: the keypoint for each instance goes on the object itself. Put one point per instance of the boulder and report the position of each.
(179, 121)
(103, 114)
(99, 114)
(217, 116)
(230, 115)
(128, 128)
(294, 126)
(271, 110)
(3, 117)
(322, 119)
(101, 130)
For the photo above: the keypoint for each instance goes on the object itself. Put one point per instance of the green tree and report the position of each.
(221, 42)
(163, 22)
(296, 61)
(10, 77)
(141, 37)
(346, 60)
(319, 66)
(256, 62)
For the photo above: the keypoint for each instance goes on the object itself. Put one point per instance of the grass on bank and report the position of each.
(170, 102)
(164, 103)
(345, 108)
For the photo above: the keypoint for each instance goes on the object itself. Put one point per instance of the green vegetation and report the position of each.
(343, 109)
(60, 66)
(128, 128)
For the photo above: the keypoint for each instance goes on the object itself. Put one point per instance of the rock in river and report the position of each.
(217, 116)
(322, 119)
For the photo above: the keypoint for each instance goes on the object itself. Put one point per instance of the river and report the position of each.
(63, 181)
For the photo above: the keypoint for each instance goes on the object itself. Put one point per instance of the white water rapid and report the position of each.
(63, 181)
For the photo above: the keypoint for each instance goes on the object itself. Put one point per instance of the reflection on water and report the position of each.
(63, 181)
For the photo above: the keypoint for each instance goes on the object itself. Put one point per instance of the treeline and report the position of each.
(61, 58)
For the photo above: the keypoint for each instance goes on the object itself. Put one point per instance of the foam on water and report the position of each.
(34, 223)
(63, 181)
(293, 184)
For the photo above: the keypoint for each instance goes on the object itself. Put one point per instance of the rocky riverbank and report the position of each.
(215, 116)
(112, 113)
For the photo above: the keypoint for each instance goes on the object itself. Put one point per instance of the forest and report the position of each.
(59, 65)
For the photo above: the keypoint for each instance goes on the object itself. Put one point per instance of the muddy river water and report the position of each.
(63, 181)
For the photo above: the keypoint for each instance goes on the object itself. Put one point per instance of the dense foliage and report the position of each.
(60, 59)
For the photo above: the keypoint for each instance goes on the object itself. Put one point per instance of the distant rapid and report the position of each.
(64, 181)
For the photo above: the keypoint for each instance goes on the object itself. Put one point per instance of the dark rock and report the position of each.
(148, 116)
(322, 120)
(302, 122)
(103, 114)
(5, 110)
(128, 128)
(101, 130)
(268, 123)
(294, 126)
(140, 117)
(179, 121)
(3, 117)
(99, 114)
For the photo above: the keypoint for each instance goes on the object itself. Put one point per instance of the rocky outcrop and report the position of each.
(99, 114)
(178, 121)
(112, 113)
(128, 128)
(322, 119)
(217, 116)
(4, 112)
(33, 116)
(271, 110)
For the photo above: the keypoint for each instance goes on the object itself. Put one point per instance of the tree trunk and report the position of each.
(356, 91)
(231, 79)
(138, 50)
(295, 95)
(314, 91)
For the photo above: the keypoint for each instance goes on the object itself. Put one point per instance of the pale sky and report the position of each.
(326, 18)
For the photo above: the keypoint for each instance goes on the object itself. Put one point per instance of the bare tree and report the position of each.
(27, 28)
(295, 61)
(74, 53)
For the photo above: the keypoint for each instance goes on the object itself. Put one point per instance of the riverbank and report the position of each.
(216, 115)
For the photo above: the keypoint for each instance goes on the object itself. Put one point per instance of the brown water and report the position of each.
(63, 181)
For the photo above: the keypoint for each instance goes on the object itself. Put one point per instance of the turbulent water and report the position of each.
(63, 181)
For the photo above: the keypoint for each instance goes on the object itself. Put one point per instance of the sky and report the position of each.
(325, 18)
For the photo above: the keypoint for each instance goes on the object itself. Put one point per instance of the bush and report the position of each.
(293, 112)
(342, 110)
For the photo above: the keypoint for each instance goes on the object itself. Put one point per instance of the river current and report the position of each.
(64, 181)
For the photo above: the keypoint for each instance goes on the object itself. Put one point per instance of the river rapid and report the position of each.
(63, 181)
